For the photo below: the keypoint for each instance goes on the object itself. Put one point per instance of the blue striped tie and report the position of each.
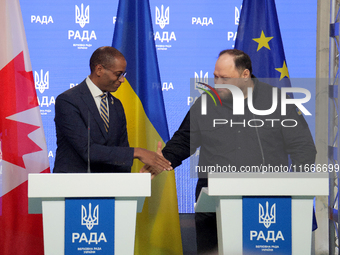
(104, 112)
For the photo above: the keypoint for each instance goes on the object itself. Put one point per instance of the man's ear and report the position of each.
(99, 70)
(246, 73)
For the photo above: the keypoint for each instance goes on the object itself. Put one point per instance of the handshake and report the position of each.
(154, 162)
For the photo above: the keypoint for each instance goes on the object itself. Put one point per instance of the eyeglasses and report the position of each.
(118, 74)
(121, 75)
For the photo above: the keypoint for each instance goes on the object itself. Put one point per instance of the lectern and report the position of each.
(226, 193)
(47, 193)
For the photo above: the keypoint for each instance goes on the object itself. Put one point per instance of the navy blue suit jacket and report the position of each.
(109, 151)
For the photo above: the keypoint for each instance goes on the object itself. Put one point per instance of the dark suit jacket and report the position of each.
(109, 151)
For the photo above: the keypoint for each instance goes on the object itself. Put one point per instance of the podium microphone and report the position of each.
(88, 143)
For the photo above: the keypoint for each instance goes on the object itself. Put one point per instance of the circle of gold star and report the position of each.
(283, 70)
(263, 41)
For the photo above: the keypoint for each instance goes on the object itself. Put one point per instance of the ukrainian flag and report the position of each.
(158, 228)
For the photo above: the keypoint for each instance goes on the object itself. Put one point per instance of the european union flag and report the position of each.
(259, 36)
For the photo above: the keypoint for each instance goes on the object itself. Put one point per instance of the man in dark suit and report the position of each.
(90, 105)
(235, 144)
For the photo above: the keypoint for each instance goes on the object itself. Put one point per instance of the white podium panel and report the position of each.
(47, 193)
(224, 196)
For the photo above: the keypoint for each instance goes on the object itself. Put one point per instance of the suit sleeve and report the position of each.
(184, 142)
(298, 140)
(72, 131)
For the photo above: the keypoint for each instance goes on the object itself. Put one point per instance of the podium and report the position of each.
(47, 193)
(224, 196)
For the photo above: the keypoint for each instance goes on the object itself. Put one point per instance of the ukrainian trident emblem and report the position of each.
(199, 79)
(82, 18)
(264, 217)
(89, 219)
(162, 18)
(42, 81)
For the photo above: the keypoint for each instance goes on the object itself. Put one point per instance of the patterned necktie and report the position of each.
(104, 112)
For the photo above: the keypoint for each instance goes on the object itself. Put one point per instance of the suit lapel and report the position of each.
(112, 113)
(89, 101)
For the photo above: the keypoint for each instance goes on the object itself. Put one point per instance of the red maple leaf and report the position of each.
(17, 94)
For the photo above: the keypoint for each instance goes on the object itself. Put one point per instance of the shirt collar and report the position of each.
(95, 91)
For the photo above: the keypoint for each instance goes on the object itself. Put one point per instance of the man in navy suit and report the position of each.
(79, 108)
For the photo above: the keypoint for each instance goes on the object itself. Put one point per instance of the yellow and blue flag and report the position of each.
(259, 36)
(158, 227)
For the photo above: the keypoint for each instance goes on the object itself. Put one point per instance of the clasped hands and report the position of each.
(154, 162)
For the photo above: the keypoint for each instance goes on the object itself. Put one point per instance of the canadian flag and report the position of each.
(22, 140)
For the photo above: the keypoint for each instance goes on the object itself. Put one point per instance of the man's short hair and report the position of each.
(241, 59)
(104, 56)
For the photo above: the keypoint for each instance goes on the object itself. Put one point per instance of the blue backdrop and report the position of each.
(62, 35)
